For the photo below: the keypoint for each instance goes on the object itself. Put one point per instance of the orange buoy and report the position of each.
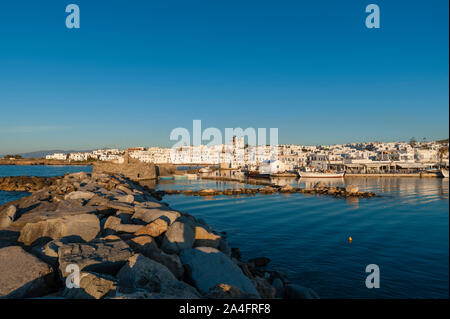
(349, 240)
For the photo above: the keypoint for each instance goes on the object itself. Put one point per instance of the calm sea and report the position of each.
(405, 232)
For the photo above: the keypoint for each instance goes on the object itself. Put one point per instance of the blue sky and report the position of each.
(135, 70)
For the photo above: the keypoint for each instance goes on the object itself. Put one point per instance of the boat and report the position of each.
(318, 174)
(191, 176)
(165, 177)
(178, 177)
(205, 170)
(444, 173)
(257, 174)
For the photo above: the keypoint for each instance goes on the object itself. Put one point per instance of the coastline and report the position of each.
(130, 243)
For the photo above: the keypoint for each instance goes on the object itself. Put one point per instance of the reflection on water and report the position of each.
(405, 233)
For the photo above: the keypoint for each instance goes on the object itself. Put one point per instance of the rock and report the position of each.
(49, 252)
(92, 286)
(101, 256)
(145, 215)
(125, 207)
(84, 226)
(351, 189)
(286, 189)
(79, 195)
(125, 199)
(114, 225)
(235, 253)
(224, 291)
(266, 291)
(22, 275)
(209, 267)
(172, 262)
(259, 261)
(179, 236)
(203, 238)
(319, 185)
(207, 192)
(279, 288)
(43, 213)
(223, 247)
(141, 272)
(293, 291)
(145, 245)
(7, 216)
(154, 229)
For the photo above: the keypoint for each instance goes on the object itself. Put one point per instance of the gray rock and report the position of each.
(114, 225)
(79, 195)
(205, 238)
(85, 226)
(279, 288)
(171, 261)
(265, 290)
(7, 216)
(141, 272)
(224, 291)
(145, 215)
(22, 275)
(223, 247)
(101, 256)
(179, 236)
(293, 291)
(209, 267)
(145, 245)
(92, 286)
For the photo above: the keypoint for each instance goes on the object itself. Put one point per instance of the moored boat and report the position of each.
(321, 174)
(444, 173)
(191, 176)
(165, 177)
(257, 174)
(178, 177)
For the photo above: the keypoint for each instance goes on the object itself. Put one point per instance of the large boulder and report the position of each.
(145, 245)
(92, 286)
(141, 272)
(145, 215)
(101, 256)
(154, 229)
(204, 238)
(114, 225)
(85, 226)
(171, 261)
(7, 216)
(224, 291)
(209, 267)
(22, 275)
(179, 236)
(293, 291)
(79, 195)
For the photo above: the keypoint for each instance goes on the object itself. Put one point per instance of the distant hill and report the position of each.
(42, 154)
(443, 141)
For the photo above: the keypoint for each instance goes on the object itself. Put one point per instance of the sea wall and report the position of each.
(126, 243)
(132, 169)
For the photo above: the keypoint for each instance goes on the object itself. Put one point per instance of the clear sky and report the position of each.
(135, 70)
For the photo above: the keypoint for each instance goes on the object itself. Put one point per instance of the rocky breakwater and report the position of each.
(25, 183)
(319, 188)
(125, 243)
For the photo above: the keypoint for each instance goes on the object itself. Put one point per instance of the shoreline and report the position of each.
(126, 242)
(44, 162)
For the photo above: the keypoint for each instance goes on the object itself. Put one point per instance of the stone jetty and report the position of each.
(124, 242)
(319, 189)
